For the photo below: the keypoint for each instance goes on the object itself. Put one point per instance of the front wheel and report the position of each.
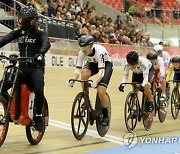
(80, 115)
(3, 127)
(102, 130)
(175, 104)
(34, 136)
(131, 111)
(162, 110)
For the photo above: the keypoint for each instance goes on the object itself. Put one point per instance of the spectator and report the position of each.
(52, 10)
(176, 12)
(38, 5)
(78, 26)
(45, 11)
(126, 4)
(118, 20)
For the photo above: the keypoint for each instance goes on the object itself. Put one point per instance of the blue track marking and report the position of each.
(170, 145)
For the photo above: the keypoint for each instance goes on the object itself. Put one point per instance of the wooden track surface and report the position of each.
(59, 138)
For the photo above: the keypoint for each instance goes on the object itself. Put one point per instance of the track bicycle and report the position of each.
(175, 99)
(18, 105)
(83, 112)
(134, 112)
(160, 106)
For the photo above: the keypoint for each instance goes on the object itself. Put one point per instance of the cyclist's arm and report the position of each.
(168, 76)
(125, 74)
(146, 68)
(45, 44)
(145, 79)
(79, 65)
(10, 37)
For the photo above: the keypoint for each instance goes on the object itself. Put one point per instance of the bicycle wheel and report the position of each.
(34, 136)
(147, 116)
(162, 111)
(175, 103)
(131, 111)
(3, 127)
(102, 130)
(80, 116)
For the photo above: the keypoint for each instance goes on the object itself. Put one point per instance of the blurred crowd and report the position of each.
(102, 28)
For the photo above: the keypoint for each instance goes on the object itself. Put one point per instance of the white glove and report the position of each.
(70, 83)
(94, 84)
(40, 57)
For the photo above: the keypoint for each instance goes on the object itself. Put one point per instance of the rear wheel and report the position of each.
(34, 136)
(175, 104)
(3, 127)
(131, 111)
(80, 116)
(102, 130)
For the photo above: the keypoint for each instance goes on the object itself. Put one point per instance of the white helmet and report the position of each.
(158, 48)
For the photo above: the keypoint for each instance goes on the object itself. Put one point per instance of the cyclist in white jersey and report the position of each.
(164, 54)
(98, 61)
(166, 57)
(159, 76)
(143, 73)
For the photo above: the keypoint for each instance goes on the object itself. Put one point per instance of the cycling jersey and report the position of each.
(166, 57)
(142, 67)
(30, 42)
(176, 73)
(99, 55)
(159, 65)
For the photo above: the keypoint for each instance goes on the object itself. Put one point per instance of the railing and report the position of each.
(7, 15)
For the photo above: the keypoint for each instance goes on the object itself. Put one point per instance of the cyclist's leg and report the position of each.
(101, 89)
(88, 70)
(37, 77)
(147, 90)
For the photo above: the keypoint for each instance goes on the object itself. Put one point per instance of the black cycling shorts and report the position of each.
(93, 67)
(139, 77)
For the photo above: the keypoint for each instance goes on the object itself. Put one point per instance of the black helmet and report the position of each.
(28, 12)
(132, 57)
(152, 55)
(85, 40)
(176, 59)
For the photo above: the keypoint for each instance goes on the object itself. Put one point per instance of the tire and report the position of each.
(102, 130)
(130, 119)
(80, 115)
(3, 127)
(162, 112)
(147, 121)
(34, 136)
(174, 103)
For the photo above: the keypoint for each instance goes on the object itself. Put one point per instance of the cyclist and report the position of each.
(166, 57)
(143, 73)
(159, 76)
(174, 66)
(98, 62)
(32, 42)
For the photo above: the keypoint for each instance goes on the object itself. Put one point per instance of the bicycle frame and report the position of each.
(10, 75)
(86, 85)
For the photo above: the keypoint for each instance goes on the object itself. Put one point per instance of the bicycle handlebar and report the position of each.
(85, 81)
(20, 59)
(131, 83)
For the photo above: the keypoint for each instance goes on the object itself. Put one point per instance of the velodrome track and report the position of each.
(59, 139)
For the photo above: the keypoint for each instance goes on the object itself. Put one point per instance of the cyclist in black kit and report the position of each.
(32, 42)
